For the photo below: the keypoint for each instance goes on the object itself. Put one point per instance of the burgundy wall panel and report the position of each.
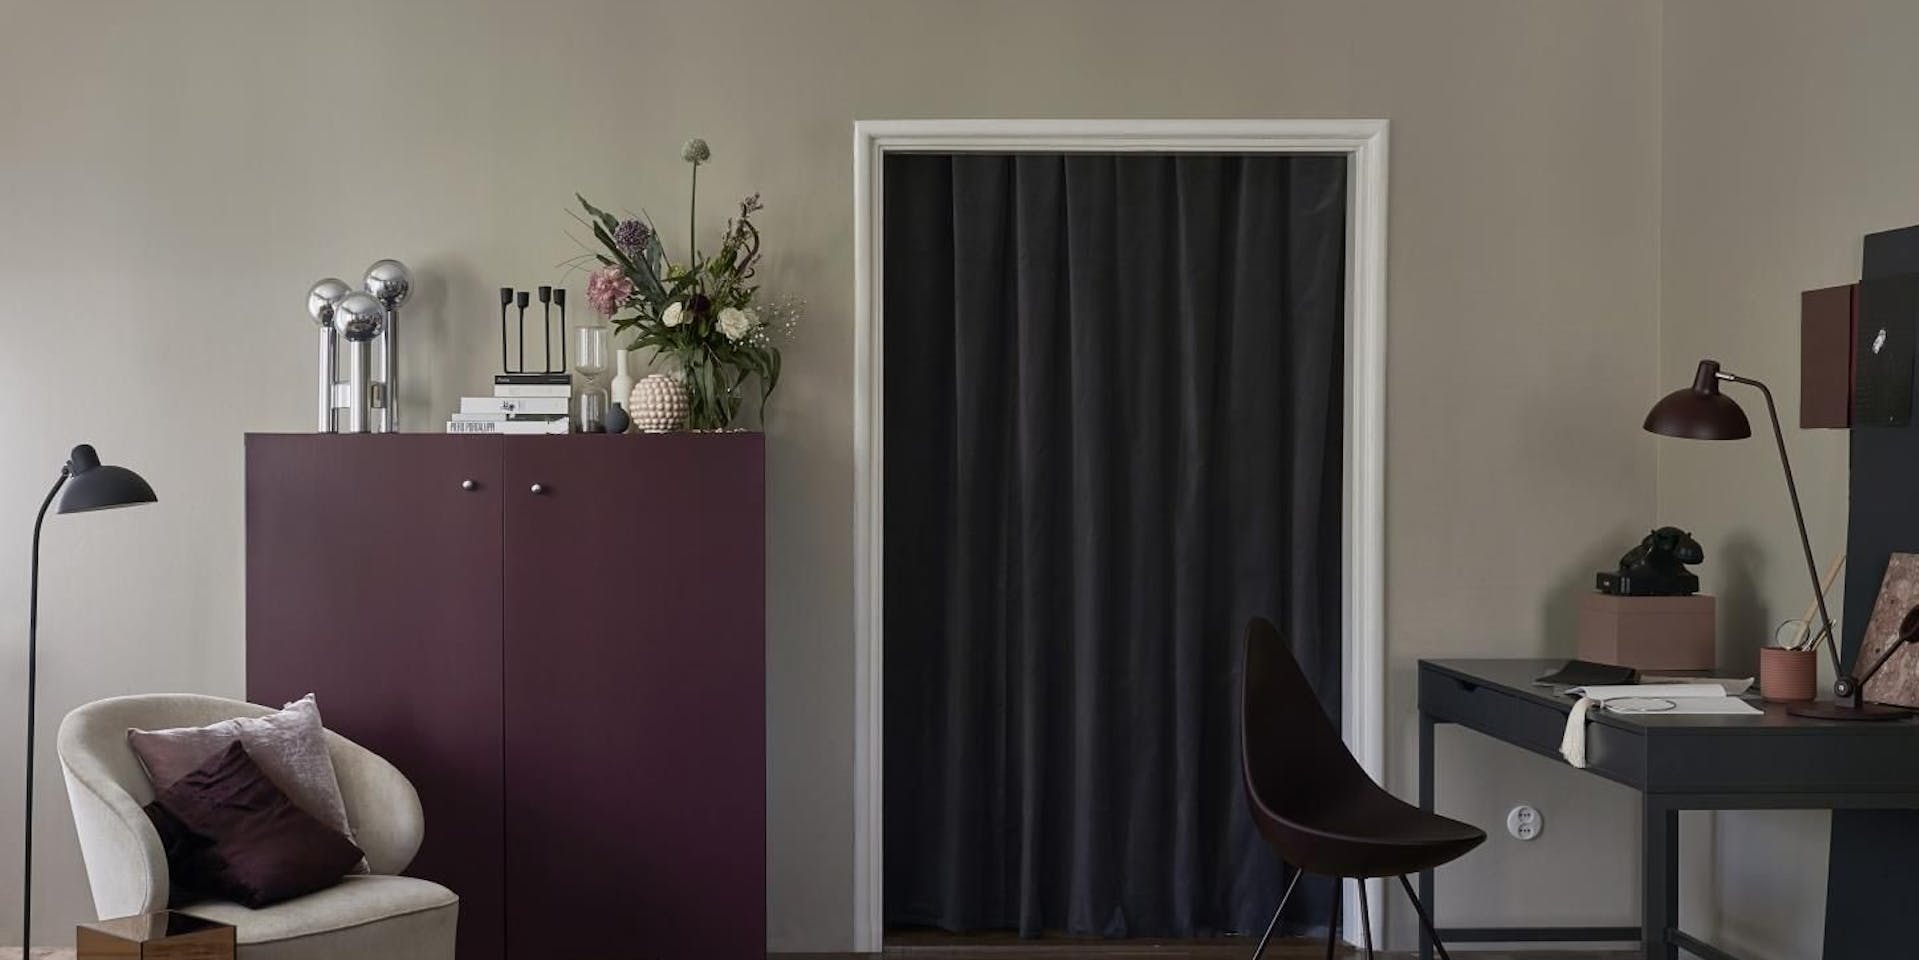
(635, 696)
(1828, 320)
(574, 679)
(374, 581)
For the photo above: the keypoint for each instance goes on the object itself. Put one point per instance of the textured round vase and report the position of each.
(659, 404)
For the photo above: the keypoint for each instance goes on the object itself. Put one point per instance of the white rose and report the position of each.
(673, 315)
(735, 323)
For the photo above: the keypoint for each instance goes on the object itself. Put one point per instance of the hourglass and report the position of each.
(590, 361)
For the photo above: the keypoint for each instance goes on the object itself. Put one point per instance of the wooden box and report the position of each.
(1648, 633)
(154, 936)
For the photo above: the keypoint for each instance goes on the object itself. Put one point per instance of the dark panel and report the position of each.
(635, 695)
(1883, 353)
(1889, 253)
(373, 580)
(1826, 321)
(1865, 901)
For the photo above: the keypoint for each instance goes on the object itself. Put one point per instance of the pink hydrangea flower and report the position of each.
(607, 289)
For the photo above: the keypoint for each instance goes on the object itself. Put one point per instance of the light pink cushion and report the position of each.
(289, 747)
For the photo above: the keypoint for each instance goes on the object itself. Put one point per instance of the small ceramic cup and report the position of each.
(1787, 675)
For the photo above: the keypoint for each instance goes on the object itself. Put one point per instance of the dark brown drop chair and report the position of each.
(1312, 801)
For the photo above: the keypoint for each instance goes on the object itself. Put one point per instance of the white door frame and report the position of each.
(1363, 142)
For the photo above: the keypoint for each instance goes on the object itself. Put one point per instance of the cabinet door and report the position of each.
(635, 696)
(373, 581)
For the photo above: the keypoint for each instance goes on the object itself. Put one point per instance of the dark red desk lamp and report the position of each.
(1701, 412)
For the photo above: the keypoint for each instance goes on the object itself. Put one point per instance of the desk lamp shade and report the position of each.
(1699, 412)
(98, 486)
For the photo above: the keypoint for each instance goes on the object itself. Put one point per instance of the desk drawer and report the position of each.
(1524, 722)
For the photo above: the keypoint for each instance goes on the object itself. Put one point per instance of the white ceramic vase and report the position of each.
(622, 388)
(659, 404)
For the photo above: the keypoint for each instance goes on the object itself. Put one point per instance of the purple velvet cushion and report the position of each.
(290, 745)
(228, 830)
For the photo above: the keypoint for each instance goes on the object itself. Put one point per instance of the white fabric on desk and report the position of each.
(1572, 746)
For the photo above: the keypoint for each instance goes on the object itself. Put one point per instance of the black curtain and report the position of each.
(1113, 412)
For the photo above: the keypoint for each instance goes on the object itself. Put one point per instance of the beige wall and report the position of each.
(172, 176)
(1787, 135)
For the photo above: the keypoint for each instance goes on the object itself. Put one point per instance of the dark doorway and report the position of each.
(1114, 403)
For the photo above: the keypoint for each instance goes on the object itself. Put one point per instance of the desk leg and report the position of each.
(1659, 867)
(1426, 803)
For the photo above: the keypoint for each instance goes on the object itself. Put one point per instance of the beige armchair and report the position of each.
(378, 916)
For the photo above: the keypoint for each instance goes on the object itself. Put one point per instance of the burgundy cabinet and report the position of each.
(374, 581)
(560, 640)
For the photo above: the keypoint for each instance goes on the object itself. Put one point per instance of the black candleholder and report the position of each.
(512, 358)
(546, 329)
(506, 358)
(559, 300)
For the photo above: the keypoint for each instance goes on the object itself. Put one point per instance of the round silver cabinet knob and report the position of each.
(539, 488)
(469, 485)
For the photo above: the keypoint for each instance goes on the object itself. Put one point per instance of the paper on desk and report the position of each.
(1734, 685)
(1683, 706)
(1637, 690)
(1670, 699)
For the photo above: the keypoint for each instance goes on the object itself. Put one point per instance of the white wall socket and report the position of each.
(1524, 822)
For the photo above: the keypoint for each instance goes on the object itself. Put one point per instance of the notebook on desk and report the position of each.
(1584, 673)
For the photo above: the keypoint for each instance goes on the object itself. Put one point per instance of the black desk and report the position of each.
(1770, 762)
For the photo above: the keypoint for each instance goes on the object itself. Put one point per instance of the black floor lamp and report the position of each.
(1701, 412)
(90, 485)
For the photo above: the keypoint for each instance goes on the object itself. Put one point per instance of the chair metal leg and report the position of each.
(1365, 919)
(1424, 920)
(1332, 929)
(1288, 895)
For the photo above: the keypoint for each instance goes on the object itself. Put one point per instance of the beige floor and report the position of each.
(39, 953)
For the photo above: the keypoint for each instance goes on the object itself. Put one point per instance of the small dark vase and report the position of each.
(617, 421)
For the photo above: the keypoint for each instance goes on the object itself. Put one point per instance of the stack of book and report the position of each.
(528, 403)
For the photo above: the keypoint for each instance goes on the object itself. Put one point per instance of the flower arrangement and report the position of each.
(704, 315)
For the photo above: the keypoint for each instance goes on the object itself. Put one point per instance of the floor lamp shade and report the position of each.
(85, 485)
(99, 486)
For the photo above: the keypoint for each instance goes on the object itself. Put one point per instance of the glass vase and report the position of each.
(712, 404)
(590, 354)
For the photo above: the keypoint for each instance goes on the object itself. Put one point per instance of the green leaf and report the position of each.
(600, 234)
(606, 219)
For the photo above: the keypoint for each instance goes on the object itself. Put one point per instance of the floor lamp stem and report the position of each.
(33, 645)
